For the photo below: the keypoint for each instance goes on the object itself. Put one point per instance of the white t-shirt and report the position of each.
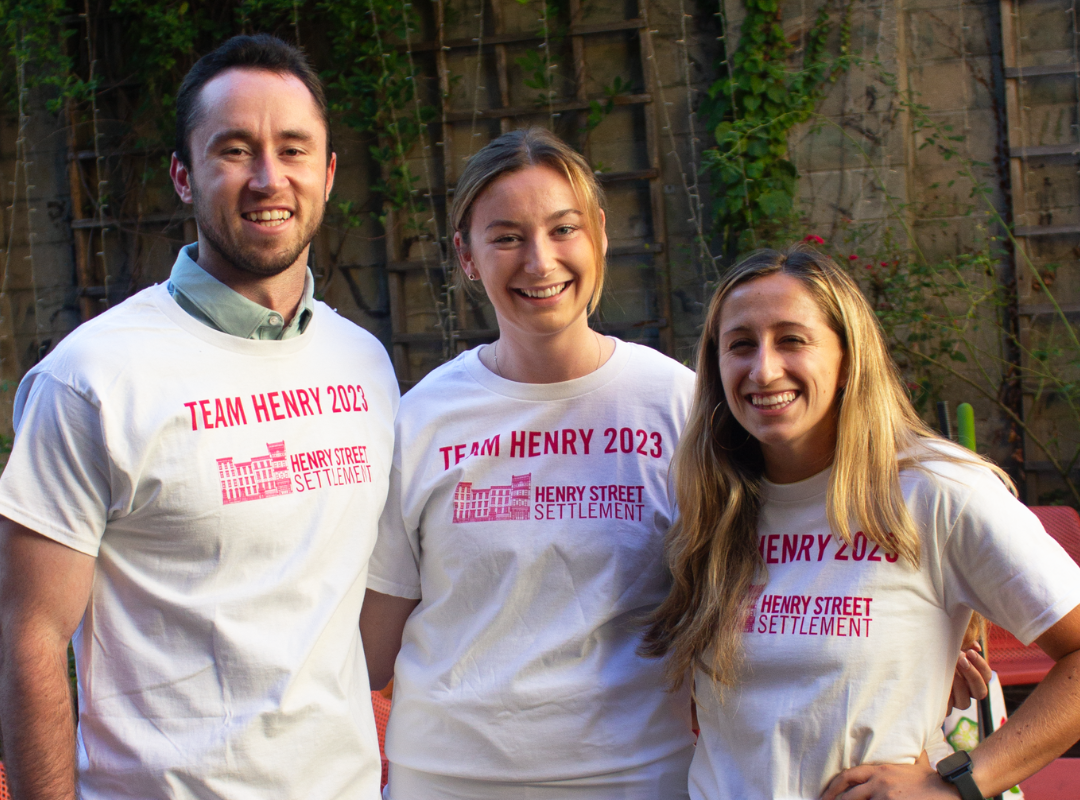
(529, 520)
(230, 490)
(850, 651)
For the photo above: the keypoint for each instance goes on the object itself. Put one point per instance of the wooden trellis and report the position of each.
(1042, 90)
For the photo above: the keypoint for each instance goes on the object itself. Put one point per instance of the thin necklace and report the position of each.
(599, 355)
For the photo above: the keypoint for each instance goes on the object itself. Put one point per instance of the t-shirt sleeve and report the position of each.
(395, 562)
(1000, 561)
(56, 482)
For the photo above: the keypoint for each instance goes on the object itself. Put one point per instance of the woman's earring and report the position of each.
(471, 276)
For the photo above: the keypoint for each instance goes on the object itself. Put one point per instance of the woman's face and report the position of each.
(782, 368)
(529, 245)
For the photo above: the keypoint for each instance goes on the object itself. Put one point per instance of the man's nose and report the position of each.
(269, 176)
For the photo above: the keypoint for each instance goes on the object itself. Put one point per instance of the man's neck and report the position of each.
(281, 293)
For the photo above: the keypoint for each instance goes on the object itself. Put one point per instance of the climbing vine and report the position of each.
(752, 108)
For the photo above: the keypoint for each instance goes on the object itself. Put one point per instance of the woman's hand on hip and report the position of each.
(918, 781)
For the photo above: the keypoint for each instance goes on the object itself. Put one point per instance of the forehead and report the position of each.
(259, 101)
(537, 190)
(773, 300)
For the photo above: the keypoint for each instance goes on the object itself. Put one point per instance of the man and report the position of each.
(194, 490)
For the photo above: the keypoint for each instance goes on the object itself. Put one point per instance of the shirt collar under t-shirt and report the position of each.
(214, 304)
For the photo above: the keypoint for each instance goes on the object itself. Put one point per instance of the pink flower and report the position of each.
(853, 257)
(814, 239)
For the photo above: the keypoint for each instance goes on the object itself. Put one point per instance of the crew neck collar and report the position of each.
(806, 489)
(562, 390)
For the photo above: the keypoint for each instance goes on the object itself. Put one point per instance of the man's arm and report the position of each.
(382, 619)
(44, 589)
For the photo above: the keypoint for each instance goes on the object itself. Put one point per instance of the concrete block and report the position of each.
(616, 145)
(474, 79)
(1050, 124)
(831, 198)
(601, 13)
(949, 33)
(610, 56)
(948, 86)
(852, 141)
(1045, 26)
(629, 215)
(977, 127)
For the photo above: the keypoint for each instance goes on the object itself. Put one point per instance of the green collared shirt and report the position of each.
(216, 305)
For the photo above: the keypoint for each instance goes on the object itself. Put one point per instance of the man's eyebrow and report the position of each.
(297, 136)
(229, 134)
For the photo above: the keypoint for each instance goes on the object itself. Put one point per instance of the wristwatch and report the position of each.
(956, 769)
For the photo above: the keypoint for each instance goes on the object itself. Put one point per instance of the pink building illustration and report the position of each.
(262, 477)
(494, 504)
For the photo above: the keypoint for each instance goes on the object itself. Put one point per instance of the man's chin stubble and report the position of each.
(245, 260)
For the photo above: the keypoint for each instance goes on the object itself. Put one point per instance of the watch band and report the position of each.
(956, 769)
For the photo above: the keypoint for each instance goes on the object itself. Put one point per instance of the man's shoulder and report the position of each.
(114, 335)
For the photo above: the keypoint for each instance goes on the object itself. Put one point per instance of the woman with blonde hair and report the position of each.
(522, 540)
(828, 556)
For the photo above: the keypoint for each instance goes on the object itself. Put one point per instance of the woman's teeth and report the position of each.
(540, 294)
(270, 219)
(772, 400)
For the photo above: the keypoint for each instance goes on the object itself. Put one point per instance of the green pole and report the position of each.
(965, 428)
(965, 425)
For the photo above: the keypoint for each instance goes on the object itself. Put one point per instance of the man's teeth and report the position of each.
(772, 400)
(539, 294)
(270, 218)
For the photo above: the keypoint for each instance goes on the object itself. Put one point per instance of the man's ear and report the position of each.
(331, 170)
(181, 179)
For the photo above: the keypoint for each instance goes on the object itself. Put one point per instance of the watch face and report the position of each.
(957, 762)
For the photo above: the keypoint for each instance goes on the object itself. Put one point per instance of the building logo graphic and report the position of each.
(257, 479)
(751, 617)
(495, 504)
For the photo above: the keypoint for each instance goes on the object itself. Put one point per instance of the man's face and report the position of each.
(259, 177)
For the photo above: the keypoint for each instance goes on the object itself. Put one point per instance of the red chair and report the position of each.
(1014, 663)
(380, 704)
(4, 793)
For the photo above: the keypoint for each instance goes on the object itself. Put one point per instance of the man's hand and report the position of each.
(916, 781)
(971, 680)
(44, 589)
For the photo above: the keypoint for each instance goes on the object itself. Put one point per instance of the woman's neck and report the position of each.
(551, 358)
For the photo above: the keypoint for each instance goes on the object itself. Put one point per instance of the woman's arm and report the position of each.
(382, 619)
(1044, 727)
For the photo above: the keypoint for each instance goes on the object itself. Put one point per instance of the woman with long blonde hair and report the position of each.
(828, 555)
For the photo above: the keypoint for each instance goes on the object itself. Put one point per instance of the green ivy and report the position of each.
(752, 109)
(31, 38)
(373, 90)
